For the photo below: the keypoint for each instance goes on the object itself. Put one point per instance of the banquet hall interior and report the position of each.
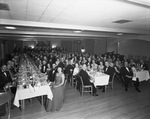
(70, 32)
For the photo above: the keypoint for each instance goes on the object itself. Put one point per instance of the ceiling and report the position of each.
(74, 18)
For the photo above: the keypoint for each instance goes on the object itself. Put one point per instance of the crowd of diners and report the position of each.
(74, 64)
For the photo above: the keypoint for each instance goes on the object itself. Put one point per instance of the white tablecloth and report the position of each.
(142, 75)
(22, 94)
(101, 80)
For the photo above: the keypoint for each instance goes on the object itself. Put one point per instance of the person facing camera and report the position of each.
(58, 92)
(127, 74)
(86, 78)
(4, 77)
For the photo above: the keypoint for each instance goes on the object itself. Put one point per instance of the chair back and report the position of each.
(7, 87)
(83, 87)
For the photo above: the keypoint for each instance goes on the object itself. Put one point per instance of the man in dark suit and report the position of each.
(52, 74)
(12, 68)
(4, 77)
(127, 74)
(86, 79)
(44, 67)
(61, 63)
(109, 69)
(143, 65)
(69, 70)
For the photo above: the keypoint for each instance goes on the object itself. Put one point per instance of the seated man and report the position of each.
(4, 77)
(109, 69)
(129, 75)
(86, 79)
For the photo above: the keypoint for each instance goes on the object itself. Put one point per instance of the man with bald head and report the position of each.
(127, 75)
(86, 78)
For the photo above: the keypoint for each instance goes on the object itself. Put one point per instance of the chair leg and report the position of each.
(81, 91)
(9, 105)
(105, 87)
(42, 100)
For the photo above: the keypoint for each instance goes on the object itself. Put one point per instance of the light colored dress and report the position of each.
(58, 96)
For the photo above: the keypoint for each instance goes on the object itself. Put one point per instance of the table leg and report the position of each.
(42, 100)
(22, 105)
(9, 106)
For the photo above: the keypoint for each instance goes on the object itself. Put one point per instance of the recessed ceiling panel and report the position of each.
(17, 16)
(39, 2)
(18, 6)
(36, 9)
(32, 17)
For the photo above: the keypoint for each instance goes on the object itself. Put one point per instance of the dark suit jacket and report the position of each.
(110, 71)
(51, 75)
(42, 68)
(85, 77)
(13, 70)
(67, 69)
(125, 72)
(144, 66)
(4, 79)
(37, 62)
(62, 65)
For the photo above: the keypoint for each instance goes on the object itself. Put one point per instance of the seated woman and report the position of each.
(101, 67)
(58, 92)
(94, 65)
(76, 69)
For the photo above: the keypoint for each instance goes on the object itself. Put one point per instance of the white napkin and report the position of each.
(31, 88)
(134, 78)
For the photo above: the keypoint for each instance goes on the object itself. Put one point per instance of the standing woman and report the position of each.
(58, 92)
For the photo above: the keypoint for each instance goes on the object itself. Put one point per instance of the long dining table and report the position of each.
(31, 92)
(30, 82)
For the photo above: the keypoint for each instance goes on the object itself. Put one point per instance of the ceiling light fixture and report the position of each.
(10, 27)
(77, 31)
(119, 34)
